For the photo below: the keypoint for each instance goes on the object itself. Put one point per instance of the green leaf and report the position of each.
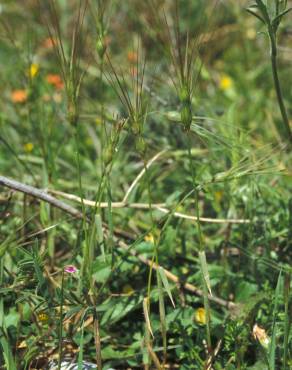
(204, 269)
(244, 290)
(162, 314)
(249, 10)
(272, 354)
(81, 343)
(165, 284)
(281, 15)
(7, 354)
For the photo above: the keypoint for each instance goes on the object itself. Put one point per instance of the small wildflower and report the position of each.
(200, 316)
(70, 269)
(22, 345)
(43, 317)
(28, 147)
(225, 83)
(149, 238)
(260, 335)
(127, 289)
(55, 80)
(49, 43)
(132, 57)
(57, 97)
(19, 96)
(33, 70)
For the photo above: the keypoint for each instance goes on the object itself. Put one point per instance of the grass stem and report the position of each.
(277, 84)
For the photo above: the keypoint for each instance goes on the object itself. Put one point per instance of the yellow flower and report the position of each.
(200, 316)
(43, 317)
(127, 289)
(28, 147)
(33, 70)
(149, 238)
(225, 83)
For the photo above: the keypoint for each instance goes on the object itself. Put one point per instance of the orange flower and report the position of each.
(19, 96)
(49, 43)
(55, 80)
(132, 57)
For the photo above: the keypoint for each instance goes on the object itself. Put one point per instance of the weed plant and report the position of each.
(145, 172)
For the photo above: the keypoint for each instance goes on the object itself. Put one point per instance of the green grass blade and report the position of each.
(165, 284)
(272, 352)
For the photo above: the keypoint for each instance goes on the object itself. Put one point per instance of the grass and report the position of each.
(145, 199)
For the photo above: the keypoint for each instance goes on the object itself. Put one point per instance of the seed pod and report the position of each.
(141, 145)
(72, 114)
(136, 127)
(186, 107)
(100, 47)
(108, 155)
(184, 95)
(186, 116)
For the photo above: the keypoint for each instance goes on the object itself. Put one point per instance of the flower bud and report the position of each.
(141, 145)
(184, 96)
(186, 116)
(135, 127)
(100, 47)
(108, 155)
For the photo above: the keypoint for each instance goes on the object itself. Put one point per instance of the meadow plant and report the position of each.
(144, 204)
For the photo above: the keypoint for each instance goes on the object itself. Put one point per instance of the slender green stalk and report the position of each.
(61, 322)
(286, 319)
(274, 63)
(153, 227)
(201, 246)
(97, 342)
(80, 354)
(271, 18)
(155, 260)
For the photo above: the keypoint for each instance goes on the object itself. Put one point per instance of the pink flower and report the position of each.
(70, 269)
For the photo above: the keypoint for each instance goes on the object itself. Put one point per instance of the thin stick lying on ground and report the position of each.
(39, 194)
(42, 195)
(159, 206)
(141, 174)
